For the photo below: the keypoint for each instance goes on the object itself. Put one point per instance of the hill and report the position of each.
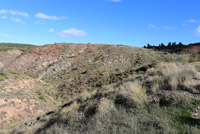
(177, 48)
(21, 47)
(98, 88)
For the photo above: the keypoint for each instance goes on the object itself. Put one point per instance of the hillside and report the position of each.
(9, 51)
(22, 47)
(98, 88)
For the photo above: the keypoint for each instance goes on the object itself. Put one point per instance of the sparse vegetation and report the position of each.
(170, 76)
(3, 76)
(117, 89)
(176, 99)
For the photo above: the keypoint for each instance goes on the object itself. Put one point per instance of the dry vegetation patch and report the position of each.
(170, 76)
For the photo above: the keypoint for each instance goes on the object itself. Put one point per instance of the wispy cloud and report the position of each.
(72, 33)
(3, 11)
(115, 0)
(168, 28)
(51, 30)
(3, 17)
(197, 31)
(44, 16)
(150, 26)
(11, 12)
(16, 20)
(193, 21)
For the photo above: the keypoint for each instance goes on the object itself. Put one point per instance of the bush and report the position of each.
(175, 99)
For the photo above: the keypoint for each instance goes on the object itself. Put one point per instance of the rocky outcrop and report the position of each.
(56, 69)
(35, 60)
(6, 57)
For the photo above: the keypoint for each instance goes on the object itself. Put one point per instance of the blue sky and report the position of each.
(128, 22)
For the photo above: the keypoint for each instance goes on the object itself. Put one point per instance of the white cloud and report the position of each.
(72, 33)
(44, 16)
(16, 20)
(13, 12)
(19, 13)
(3, 17)
(193, 21)
(151, 26)
(115, 0)
(51, 30)
(168, 28)
(3, 11)
(197, 31)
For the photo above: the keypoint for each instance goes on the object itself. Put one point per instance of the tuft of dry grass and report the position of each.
(170, 76)
(105, 105)
(134, 92)
(67, 112)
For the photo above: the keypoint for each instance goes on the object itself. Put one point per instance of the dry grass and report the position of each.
(196, 65)
(175, 98)
(170, 76)
(85, 95)
(105, 105)
(67, 113)
(184, 58)
(134, 91)
(153, 120)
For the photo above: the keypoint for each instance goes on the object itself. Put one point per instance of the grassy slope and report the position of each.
(124, 108)
(115, 102)
(22, 47)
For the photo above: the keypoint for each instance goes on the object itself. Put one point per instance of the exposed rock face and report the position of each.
(35, 60)
(63, 66)
(41, 57)
(6, 57)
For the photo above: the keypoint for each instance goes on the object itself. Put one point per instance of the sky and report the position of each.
(127, 22)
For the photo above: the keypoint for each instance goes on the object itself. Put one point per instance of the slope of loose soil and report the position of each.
(18, 100)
